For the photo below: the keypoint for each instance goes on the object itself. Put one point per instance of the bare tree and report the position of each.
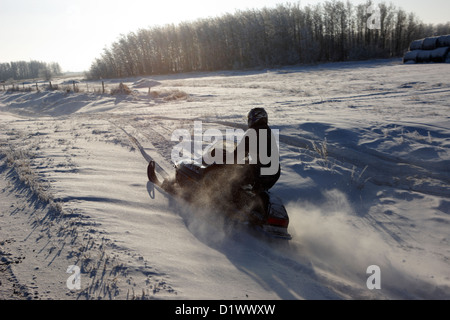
(283, 35)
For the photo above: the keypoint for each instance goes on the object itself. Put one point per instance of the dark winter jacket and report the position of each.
(264, 159)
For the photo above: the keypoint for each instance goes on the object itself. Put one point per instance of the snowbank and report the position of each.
(145, 83)
(364, 151)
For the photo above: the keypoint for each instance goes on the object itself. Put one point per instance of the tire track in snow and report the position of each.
(280, 259)
(371, 96)
(383, 169)
(141, 149)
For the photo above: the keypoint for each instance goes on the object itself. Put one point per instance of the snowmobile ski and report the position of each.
(151, 174)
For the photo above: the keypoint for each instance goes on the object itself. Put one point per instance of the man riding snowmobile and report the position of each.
(253, 172)
(266, 147)
(238, 189)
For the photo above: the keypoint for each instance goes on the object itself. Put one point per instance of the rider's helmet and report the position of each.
(257, 116)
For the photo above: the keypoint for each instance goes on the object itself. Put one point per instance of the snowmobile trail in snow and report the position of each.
(364, 153)
(269, 256)
(144, 154)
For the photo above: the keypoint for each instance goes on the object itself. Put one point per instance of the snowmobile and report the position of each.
(215, 185)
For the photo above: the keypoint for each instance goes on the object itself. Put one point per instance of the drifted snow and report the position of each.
(365, 178)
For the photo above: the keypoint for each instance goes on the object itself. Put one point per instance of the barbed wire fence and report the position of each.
(71, 86)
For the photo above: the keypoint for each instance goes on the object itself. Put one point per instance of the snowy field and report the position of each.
(365, 156)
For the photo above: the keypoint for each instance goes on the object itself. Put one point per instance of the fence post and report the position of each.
(103, 87)
(73, 83)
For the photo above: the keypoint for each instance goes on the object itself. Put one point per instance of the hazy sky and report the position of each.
(74, 33)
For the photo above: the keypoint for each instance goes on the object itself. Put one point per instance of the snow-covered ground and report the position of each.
(365, 155)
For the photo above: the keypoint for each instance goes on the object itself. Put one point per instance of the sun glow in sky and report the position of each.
(74, 33)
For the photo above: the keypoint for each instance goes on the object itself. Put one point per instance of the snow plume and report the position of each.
(206, 224)
(340, 243)
(330, 237)
(206, 216)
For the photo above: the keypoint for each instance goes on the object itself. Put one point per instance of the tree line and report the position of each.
(284, 35)
(20, 70)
